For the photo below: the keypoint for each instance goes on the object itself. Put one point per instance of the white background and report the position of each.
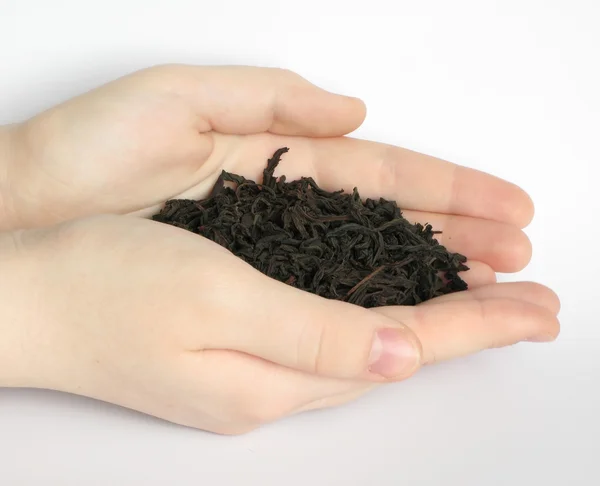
(509, 86)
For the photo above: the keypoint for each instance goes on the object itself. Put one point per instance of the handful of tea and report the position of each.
(329, 243)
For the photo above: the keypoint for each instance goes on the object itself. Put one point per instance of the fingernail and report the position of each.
(393, 354)
(542, 338)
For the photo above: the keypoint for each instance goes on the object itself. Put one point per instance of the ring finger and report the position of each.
(502, 246)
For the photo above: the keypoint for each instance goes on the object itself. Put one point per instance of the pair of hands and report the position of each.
(105, 303)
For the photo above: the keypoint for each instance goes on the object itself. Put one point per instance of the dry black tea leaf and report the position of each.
(329, 243)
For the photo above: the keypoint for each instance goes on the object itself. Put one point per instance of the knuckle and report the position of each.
(521, 249)
(311, 353)
(290, 80)
(172, 75)
(332, 348)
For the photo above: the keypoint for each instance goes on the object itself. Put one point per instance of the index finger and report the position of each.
(415, 181)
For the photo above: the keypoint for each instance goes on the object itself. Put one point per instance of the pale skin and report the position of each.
(97, 300)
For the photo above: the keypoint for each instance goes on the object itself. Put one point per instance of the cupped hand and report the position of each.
(157, 319)
(168, 131)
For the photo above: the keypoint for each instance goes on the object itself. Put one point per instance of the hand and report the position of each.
(157, 319)
(168, 131)
(157, 134)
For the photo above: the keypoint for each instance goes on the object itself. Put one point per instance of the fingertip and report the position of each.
(527, 213)
(305, 109)
(523, 209)
(349, 108)
(531, 321)
(351, 114)
(550, 328)
(554, 300)
(357, 109)
(538, 294)
(498, 199)
(334, 115)
(478, 275)
(518, 255)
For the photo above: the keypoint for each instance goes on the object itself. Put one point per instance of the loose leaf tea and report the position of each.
(329, 243)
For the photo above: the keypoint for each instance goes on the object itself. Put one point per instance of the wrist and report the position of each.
(8, 157)
(21, 353)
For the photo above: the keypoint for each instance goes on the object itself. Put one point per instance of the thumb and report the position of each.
(244, 100)
(309, 333)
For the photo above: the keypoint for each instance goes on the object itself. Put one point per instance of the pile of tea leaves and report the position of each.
(329, 243)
